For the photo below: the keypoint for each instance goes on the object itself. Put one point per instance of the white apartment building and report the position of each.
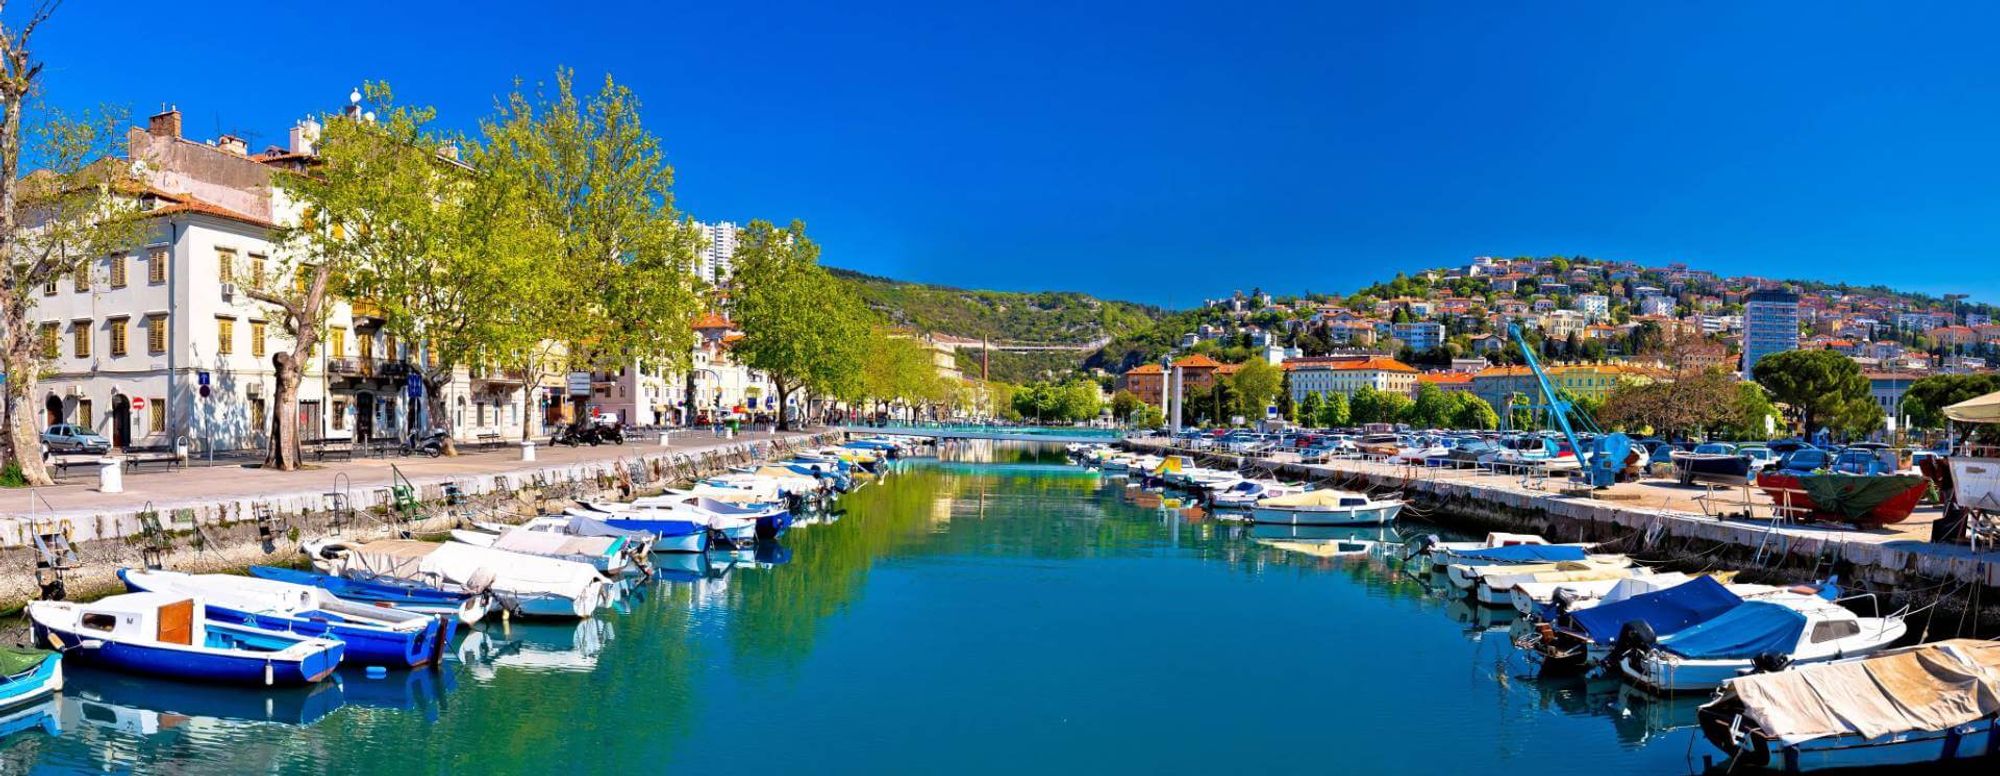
(1596, 307)
(133, 341)
(717, 261)
(1345, 375)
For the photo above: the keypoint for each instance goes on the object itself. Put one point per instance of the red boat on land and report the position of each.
(1865, 500)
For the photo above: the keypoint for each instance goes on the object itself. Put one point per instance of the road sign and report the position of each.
(204, 390)
(201, 378)
(416, 385)
(138, 403)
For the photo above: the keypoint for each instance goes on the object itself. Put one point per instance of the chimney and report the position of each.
(304, 135)
(233, 144)
(165, 124)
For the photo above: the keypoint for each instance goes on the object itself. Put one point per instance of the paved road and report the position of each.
(239, 477)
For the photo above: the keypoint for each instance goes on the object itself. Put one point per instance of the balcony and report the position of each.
(499, 375)
(368, 367)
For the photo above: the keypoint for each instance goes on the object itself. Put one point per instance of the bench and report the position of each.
(159, 454)
(489, 439)
(339, 447)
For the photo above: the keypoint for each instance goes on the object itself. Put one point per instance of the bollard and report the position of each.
(664, 433)
(110, 475)
(527, 450)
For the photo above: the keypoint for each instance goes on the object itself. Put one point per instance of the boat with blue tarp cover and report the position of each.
(1518, 554)
(1763, 635)
(1573, 640)
(469, 608)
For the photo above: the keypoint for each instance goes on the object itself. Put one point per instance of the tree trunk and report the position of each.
(283, 453)
(784, 407)
(529, 381)
(21, 435)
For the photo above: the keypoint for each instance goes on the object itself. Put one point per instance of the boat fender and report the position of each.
(1769, 662)
(269, 676)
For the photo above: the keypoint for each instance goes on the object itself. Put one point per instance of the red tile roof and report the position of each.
(1197, 361)
(712, 321)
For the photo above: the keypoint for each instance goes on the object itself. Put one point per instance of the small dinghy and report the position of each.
(374, 635)
(468, 608)
(1497, 589)
(1245, 494)
(168, 635)
(638, 544)
(28, 676)
(526, 585)
(607, 554)
(1325, 507)
(1927, 704)
(1467, 576)
(1442, 553)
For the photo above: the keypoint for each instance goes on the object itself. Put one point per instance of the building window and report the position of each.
(49, 288)
(225, 265)
(225, 336)
(339, 414)
(84, 414)
(156, 334)
(336, 342)
(257, 339)
(79, 278)
(256, 271)
(156, 266)
(256, 413)
(156, 414)
(117, 270)
(80, 336)
(118, 344)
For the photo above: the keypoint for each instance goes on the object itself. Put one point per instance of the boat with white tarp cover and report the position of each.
(1924, 704)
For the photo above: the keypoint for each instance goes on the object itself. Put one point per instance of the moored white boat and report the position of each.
(607, 554)
(162, 634)
(526, 585)
(374, 635)
(1771, 633)
(1325, 507)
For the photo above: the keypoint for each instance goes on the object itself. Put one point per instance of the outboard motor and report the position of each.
(1635, 636)
(1421, 545)
(1769, 663)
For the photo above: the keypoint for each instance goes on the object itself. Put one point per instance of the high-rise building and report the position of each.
(717, 260)
(1770, 325)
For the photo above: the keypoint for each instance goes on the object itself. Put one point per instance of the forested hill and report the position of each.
(1045, 317)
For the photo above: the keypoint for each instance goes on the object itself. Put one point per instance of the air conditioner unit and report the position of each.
(229, 290)
(73, 391)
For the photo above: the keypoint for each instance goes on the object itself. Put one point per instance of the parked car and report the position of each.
(1805, 460)
(1760, 456)
(68, 438)
(1859, 460)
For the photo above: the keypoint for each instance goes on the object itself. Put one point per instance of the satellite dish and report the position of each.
(354, 96)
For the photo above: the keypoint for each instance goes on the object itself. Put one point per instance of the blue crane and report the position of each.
(1608, 451)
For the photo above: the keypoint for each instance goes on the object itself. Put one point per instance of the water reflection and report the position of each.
(944, 580)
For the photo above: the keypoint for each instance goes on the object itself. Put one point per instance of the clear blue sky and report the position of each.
(1164, 151)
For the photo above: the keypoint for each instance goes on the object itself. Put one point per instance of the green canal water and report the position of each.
(996, 613)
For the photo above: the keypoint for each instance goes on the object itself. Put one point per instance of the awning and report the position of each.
(1985, 409)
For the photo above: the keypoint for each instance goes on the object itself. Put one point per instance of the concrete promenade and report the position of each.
(227, 483)
(1662, 513)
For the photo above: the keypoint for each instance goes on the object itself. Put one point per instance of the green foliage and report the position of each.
(10, 475)
(1309, 408)
(1925, 400)
(1821, 388)
(1432, 408)
(1334, 411)
(1070, 402)
(800, 325)
(1369, 405)
(1256, 384)
(1471, 412)
(1124, 404)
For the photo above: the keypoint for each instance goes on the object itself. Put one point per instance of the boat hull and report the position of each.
(33, 687)
(1788, 489)
(195, 665)
(1379, 514)
(1977, 739)
(365, 645)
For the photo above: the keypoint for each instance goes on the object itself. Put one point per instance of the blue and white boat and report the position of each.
(374, 635)
(28, 676)
(168, 635)
(671, 531)
(468, 608)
